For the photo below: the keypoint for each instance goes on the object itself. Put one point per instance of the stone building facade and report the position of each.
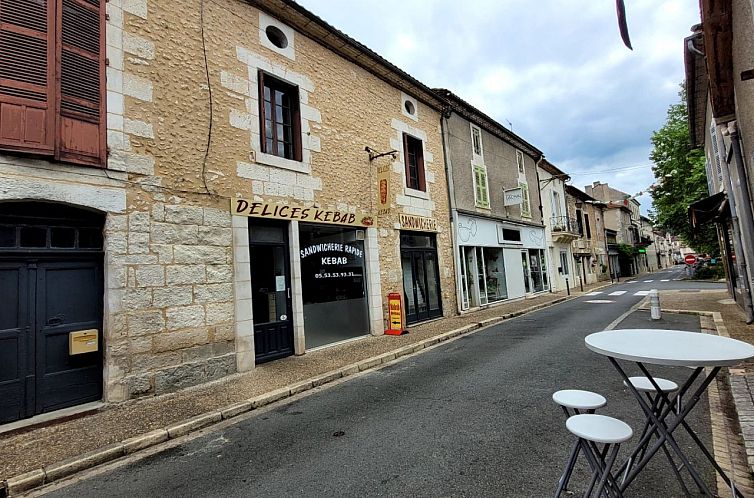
(188, 142)
(590, 248)
(560, 227)
(498, 238)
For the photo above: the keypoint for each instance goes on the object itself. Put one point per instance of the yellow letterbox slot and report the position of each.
(83, 341)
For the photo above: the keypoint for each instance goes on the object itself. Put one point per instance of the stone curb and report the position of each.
(46, 475)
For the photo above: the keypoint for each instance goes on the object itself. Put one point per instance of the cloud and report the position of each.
(556, 69)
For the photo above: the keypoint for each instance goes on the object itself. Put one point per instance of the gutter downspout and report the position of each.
(444, 116)
(745, 237)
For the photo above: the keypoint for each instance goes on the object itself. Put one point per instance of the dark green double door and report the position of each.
(42, 300)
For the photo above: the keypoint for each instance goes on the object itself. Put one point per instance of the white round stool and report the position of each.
(592, 429)
(575, 402)
(657, 401)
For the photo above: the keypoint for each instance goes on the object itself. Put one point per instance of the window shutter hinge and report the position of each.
(107, 17)
(107, 61)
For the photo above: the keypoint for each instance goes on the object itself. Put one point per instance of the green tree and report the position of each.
(681, 180)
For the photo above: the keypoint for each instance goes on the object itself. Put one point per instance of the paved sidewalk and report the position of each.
(730, 320)
(50, 452)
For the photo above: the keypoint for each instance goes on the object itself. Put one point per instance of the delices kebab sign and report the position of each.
(259, 209)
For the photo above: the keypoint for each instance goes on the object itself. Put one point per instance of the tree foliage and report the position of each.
(681, 180)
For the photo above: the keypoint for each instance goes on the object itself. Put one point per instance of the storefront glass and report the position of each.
(421, 282)
(535, 270)
(497, 288)
(333, 284)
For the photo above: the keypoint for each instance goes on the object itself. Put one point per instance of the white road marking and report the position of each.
(599, 301)
(631, 282)
(665, 280)
(648, 281)
(642, 293)
(617, 293)
(595, 293)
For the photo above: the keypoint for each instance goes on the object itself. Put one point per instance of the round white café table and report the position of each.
(671, 348)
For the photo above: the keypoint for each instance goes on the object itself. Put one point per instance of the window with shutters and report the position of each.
(52, 79)
(481, 188)
(279, 118)
(525, 203)
(413, 155)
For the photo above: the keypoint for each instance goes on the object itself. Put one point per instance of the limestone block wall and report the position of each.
(183, 139)
(171, 325)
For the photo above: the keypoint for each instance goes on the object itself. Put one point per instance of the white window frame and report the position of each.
(478, 158)
(520, 161)
(479, 202)
(526, 203)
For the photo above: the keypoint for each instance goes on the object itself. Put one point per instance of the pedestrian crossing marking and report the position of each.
(595, 293)
(631, 282)
(665, 280)
(648, 281)
(617, 293)
(599, 301)
(642, 293)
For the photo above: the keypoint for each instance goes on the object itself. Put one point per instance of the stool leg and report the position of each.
(570, 464)
(608, 468)
(600, 460)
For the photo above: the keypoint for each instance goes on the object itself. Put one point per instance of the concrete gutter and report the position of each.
(60, 470)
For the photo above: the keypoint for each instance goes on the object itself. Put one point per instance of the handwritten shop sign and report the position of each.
(261, 209)
(513, 197)
(411, 222)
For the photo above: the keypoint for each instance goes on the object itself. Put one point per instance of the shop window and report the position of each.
(526, 203)
(53, 75)
(414, 161)
(511, 235)
(279, 116)
(481, 188)
(333, 280)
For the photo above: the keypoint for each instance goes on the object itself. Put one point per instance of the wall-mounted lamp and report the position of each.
(373, 154)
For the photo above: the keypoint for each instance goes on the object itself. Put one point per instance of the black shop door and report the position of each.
(42, 302)
(270, 290)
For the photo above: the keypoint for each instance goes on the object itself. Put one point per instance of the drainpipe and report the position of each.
(745, 223)
(446, 113)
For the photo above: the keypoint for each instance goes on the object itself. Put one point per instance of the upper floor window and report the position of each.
(476, 142)
(520, 161)
(280, 122)
(52, 79)
(413, 155)
(526, 203)
(481, 188)
(579, 222)
(586, 225)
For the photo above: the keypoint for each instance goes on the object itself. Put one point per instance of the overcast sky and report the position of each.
(556, 69)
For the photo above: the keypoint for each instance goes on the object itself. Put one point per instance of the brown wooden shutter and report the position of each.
(27, 113)
(81, 56)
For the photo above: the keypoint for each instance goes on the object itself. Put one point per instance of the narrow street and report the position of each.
(473, 417)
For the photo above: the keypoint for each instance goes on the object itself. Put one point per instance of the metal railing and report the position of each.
(564, 224)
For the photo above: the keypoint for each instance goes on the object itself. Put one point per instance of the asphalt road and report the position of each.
(473, 417)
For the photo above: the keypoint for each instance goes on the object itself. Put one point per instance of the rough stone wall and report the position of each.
(170, 254)
(172, 325)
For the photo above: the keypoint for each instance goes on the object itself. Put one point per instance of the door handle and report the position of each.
(289, 292)
(55, 321)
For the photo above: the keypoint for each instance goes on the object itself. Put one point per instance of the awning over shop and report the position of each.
(709, 209)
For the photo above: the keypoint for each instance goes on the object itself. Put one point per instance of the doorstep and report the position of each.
(51, 418)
